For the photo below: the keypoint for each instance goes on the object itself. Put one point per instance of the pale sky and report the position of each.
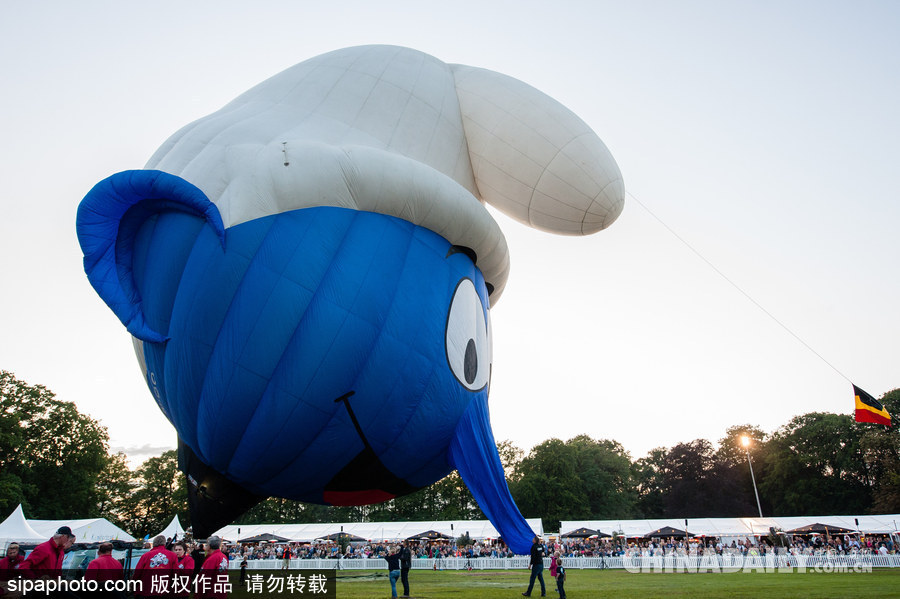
(765, 134)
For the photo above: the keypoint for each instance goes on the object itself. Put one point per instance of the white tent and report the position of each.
(88, 530)
(174, 528)
(736, 527)
(16, 528)
(374, 531)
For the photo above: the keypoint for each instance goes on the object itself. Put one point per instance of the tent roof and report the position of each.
(582, 532)
(373, 531)
(668, 531)
(819, 527)
(172, 529)
(737, 527)
(16, 528)
(267, 537)
(87, 530)
(428, 535)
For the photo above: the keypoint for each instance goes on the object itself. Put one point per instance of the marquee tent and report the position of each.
(263, 538)
(667, 531)
(740, 527)
(582, 533)
(429, 535)
(373, 531)
(87, 530)
(819, 528)
(174, 528)
(16, 528)
(344, 537)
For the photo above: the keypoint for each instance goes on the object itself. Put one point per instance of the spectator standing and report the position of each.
(156, 570)
(212, 583)
(199, 557)
(560, 578)
(405, 565)
(47, 558)
(8, 567)
(243, 580)
(184, 570)
(13, 558)
(537, 567)
(105, 568)
(393, 566)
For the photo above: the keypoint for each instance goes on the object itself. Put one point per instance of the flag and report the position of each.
(869, 409)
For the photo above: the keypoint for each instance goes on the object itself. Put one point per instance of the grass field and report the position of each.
(582, 584)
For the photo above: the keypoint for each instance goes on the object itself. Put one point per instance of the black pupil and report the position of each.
(470, 365)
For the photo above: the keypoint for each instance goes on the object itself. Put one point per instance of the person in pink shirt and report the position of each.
(156, 570)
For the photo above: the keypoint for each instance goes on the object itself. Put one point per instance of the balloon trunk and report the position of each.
(473, 452)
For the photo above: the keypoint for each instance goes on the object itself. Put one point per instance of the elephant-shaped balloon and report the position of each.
(308, 274)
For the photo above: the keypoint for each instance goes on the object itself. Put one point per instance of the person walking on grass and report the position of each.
(560, 577)
(537, 567)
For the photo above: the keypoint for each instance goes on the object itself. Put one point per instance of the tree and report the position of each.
(691, 479)
(880, 447)
(815, 465)
(48, 451)
(604, 468)
(649, 474)
(115, 488)
(161, 494)
(510, 456)
(578, 479)
(731, 450)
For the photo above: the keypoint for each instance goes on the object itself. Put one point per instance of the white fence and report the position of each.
(659, 563)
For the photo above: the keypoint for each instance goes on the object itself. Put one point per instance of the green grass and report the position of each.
(581, 584)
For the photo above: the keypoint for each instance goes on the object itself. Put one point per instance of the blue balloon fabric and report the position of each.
(323, 354)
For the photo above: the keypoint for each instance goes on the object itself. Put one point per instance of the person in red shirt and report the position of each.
(156, 570)
(47, 558)
(104, 566)
(184, 571)
(212, 582)
(13, 558)
(8, 566)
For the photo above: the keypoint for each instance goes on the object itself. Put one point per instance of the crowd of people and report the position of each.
(168, 568)
(574, 547)
(183, 564)
(796, 544)
(322, 549)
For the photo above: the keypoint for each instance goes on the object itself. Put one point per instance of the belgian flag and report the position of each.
(869, 409)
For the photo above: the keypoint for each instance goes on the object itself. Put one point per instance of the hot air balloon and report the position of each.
(308, 274)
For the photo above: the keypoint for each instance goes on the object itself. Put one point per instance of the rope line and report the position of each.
(738, 287)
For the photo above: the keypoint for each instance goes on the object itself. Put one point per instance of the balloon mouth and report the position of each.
(367, 497)
(365, 479)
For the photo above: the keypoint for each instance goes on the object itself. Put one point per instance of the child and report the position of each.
(560, 577)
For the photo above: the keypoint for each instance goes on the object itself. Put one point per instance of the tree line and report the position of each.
(57, 463)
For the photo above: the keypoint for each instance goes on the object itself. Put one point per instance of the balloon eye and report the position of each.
(468, 338)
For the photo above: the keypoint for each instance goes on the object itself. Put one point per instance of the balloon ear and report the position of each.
(108, 219)
(533, 158)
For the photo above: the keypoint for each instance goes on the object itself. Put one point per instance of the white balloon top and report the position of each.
(395, 131)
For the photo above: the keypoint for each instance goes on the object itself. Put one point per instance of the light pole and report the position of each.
(745, 441)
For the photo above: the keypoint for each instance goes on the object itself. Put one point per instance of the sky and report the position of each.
(751, 275)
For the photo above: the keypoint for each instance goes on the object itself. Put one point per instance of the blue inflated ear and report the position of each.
(108, 219)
